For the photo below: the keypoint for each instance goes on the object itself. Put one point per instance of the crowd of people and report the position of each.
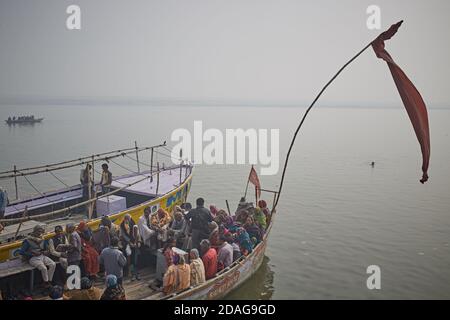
(196, 243)
(21, 118)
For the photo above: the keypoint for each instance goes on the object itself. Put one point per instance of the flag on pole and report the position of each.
(412, 100)
(253, 178)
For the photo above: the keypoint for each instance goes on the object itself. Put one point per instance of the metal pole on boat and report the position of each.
(157, 178)
(15, 182)
(137, 156)
(151, 166)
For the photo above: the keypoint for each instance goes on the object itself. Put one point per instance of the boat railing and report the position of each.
(90, 201)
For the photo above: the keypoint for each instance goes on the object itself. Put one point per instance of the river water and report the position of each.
(337, 214)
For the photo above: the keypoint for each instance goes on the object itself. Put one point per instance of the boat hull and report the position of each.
(167, 201)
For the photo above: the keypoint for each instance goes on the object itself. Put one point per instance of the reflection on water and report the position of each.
(258, 287)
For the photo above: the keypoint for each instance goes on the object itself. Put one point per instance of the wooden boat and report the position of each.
(24, 121)
(165, 188)
(135, 188)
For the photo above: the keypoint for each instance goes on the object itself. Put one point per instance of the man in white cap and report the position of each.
(33, 248)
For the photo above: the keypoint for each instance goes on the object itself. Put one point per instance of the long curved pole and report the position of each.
(306, 114)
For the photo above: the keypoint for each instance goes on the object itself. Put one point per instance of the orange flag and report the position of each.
(412, 100)
(253, 178)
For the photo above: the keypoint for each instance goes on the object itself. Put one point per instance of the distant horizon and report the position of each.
(181, 102)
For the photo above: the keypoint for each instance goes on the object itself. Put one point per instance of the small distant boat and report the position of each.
(23, 120)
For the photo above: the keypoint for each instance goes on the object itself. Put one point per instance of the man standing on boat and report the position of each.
(84, 180)
(200, 218)
(106, 179)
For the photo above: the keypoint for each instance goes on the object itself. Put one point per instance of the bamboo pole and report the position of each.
(137, 157)
(228, 207)
(15, 182)
(157, 178)
(306, 114)
(151, 166)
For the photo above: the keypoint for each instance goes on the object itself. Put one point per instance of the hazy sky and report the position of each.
(276, 51)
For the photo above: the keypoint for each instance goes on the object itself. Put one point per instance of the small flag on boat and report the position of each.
(412, 100)
(253, 178)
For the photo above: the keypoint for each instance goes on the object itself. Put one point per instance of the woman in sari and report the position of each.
(214, 234)
(243, 239)
(253, 230)
(184, 274)
(170, 277)
(197, 268)
(89, 255)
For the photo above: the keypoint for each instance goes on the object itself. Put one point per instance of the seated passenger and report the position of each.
(209, 258)
(170, 277)
(263, 205)
(225, 254)
(184, 274)
(113, 291)
(214, 234)
(197, 268)
(254, 231)
(177, 228)
(32, 250)
(260, 218)
(160, 222)
(86, 291)
(243, 239)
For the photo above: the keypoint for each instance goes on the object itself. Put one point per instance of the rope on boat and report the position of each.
(70, 164)
(54, 175)
(37, 190)
(68, 209)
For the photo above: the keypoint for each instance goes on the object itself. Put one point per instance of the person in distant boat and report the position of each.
(113, 260)
(3, 202)
(33, 250)
(200, 217)
(373, 164)
(106, 180)
(113, 291)
(209, 258)
(197, 268)
(145, 230)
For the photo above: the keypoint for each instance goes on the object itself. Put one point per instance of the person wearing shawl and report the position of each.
(224, 254)
(170, 277)
(33, 251)
(113, 291)
(89, 255)
(222, 217)
(254, 231)
(213, 209)
(126, 237)
(160, 222)
(260, 218)
(243, 239)
(168, 252)
(214, 234)
(197, 268)
(145, 229)
(177, 227)
(209, 258)
(57, 246)
(86, 292)
(184, 274)
(135, 245)
(74, 249)
(263, 205)
(113, 230)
